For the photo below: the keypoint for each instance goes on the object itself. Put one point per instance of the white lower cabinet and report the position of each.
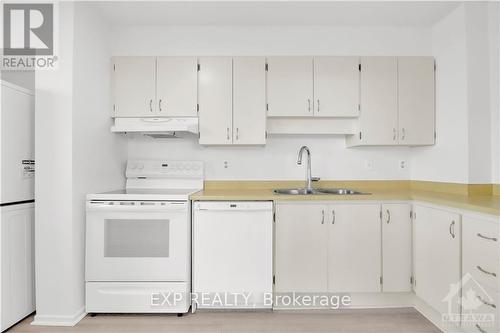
(480, 269)
(437, 257)
(17, 289)
(328, 247)
(354, 248)
(396, 247)
(301, 243)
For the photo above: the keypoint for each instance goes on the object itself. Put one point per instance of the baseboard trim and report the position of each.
(47, 320)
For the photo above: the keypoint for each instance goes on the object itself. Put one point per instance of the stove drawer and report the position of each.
(137, 297)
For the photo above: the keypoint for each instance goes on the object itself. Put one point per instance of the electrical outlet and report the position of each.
(226, 165)
(368, 165)
(402, 165)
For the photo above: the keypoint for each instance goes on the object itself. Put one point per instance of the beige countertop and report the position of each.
(488, 204)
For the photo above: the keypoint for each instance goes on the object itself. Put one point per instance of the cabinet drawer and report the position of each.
(479, 308)
(481, 251)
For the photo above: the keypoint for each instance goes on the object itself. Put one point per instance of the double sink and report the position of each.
(315, 191)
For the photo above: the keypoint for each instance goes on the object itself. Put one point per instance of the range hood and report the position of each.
(158, 126)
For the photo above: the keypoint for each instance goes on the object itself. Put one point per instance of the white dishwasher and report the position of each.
(232, 254)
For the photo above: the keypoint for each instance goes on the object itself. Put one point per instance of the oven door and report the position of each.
(137, 241)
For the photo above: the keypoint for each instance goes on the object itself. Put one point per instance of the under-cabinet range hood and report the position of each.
(155, 126)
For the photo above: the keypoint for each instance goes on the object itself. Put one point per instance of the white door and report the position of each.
(290, 86)
(137, 241)
(249, 100)
(378, 119)
(336, 86)
(233, 252)
(416, 100)
(215, 98)
(176, 87)
(396, 247)
(134, 86)
(437, 257)
(354, 259)
(17, 263)
(17, 143)
(301, 242)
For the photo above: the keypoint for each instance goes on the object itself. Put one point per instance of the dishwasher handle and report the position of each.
(229, 206)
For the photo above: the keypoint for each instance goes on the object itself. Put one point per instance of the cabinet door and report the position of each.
(301, 242)
(249, 100)
(134, 85)
(437, 257)
(215, 99)
(378, 121)
(17, 260)
(396, 248)
(176, 87)
(290, 86)
(336, 86)
(416, 100)
(354, 259)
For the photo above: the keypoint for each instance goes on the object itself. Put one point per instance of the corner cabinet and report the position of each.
(154, 87)
(397, 102)
(437, 256)
(232, 100)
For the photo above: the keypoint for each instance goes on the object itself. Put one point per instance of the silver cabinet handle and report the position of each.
(485, 271)
(228, 133)
(318, 104)
(333, 216)
(403, 133)
(480, 329)
(237, 133)
(388, 215)
(452, 229)
(486, 303)
(322, 217)
(151, 105)
(394, 134)
(308, 105)
(487, 238)
(159, 105)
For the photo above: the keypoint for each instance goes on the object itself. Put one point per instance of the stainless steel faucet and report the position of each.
(299, 162)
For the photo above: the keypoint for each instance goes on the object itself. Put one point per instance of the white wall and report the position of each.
(76, 155)
(56, 297)
(494, 60)
(466, 95)
(277, 160)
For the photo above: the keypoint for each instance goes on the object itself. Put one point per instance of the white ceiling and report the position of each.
(276, 13)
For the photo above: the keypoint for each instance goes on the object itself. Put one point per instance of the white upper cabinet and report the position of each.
(336, 86)
(301, 242)
(134, 86)
(437, 256)
(378, 121)
(397, 102)
(396, 247)
(176, 86)
(354, 248)
(249, 100)
(154, 87)
(290, 86)
(215, 98)
(416, 100)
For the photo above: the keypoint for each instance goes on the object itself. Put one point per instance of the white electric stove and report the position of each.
(138, 240)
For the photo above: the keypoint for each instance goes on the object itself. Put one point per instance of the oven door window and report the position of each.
(128, 238)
